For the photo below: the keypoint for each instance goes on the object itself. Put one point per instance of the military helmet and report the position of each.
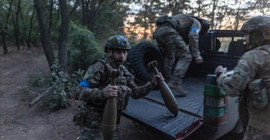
(258, 24)
(117, 42)
(161, 19)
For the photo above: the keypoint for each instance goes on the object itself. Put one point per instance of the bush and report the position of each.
(83, 48)
(56, 98)
(39, 80)
(61, 88)
(74, 80)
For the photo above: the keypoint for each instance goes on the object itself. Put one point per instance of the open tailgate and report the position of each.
(151, 111)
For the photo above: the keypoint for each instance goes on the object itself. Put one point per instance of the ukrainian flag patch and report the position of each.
(84, 83)
(194, 29)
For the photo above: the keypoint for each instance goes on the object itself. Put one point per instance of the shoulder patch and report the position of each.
(194, 29)
(84, 83)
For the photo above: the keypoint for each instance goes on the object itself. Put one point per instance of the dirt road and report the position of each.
(18, 121)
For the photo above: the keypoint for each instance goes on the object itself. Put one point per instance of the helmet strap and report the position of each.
(256, 39)
(113, 54)
(116, 62)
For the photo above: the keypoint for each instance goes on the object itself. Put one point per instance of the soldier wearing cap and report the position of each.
(95, 88)
(251, 79)
(178, 40)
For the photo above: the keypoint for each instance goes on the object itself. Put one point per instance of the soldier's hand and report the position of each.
(198, 59)
(110, 91)
(219, 70)
(156, 77)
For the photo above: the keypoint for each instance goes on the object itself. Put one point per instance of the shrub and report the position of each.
(83, 48)
(39, 80)
(56, 98)
(61, 88)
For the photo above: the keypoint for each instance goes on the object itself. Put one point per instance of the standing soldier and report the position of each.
(173, 35)
(251, 79)
(95, 88)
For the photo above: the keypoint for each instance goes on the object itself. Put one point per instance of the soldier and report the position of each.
(95, 88)
(251, 79)
(173, 34)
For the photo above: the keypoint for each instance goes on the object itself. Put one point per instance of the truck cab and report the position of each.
(213, 114)
(219, 47)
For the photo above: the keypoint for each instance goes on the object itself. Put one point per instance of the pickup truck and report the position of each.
(215, 115)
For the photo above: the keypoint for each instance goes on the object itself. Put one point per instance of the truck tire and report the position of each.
(140, 55)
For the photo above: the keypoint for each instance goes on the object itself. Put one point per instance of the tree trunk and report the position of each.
(89, 11)
(65, 18)
(83, 13)
(28, 40)
(23, 38)
(199, 8)
(237, 19)
(5, 50)
(50, 17)
(4, 32)
(16, 25)
(213, 14)
(44, 35)
(62, 53)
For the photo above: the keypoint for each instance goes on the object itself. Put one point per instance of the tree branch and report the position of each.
(39, 97)
(74, 8)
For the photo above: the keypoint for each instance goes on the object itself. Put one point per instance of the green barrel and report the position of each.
(213, 91)
(215, 102)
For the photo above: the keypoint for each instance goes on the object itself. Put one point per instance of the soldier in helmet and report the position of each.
(95, 88)
(251, 79)
(174, 35)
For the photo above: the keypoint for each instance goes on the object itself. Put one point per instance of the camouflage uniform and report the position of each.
(89, 116)
(173, 34)
(172, 41)
(254, 65)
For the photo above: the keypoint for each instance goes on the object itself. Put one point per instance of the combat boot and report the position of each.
(180, 92)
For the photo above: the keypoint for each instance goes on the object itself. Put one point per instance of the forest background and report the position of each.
(46, 46)
(72, 33)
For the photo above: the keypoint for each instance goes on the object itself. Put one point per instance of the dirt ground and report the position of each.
(18, 121)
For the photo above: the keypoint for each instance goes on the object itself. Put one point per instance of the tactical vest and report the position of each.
(121, 80)
(181, 23)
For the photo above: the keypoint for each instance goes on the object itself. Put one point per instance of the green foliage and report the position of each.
(61, 87)
(56, 98)
(83, 49)
(110, 20)
(75, 78)
(39, 80)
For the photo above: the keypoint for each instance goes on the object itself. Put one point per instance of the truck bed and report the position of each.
(151, 110)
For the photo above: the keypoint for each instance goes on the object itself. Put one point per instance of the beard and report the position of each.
(117, 62)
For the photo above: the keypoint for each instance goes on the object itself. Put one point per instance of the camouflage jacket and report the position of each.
(98, 78)
(188, 28)
(254, 64)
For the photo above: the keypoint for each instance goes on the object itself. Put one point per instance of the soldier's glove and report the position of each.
(198, 59)
(219, 70)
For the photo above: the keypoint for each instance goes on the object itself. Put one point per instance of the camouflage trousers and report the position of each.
(176, 52)
(90, 121)
(254, 134)
(243, 112)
